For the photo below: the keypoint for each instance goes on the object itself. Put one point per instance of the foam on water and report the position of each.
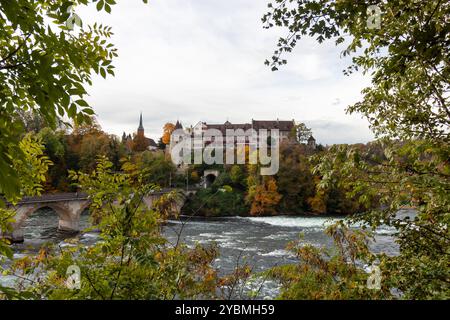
(278, 236)
(278, 253)
(385, 230)
(305, 222)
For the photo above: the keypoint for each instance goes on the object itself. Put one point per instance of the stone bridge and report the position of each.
(69, 207)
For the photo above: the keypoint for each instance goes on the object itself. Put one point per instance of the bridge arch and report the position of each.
(68, 214)
(24, 212)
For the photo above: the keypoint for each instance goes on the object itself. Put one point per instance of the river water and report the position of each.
(259, 242)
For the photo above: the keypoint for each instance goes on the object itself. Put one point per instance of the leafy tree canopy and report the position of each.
(45, 65)
(407, 106)
(407, 57)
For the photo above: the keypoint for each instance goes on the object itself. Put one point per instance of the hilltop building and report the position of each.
(285, 128)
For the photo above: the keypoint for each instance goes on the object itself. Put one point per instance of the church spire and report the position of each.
(141, 127)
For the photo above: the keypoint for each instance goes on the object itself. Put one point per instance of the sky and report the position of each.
(203, 60)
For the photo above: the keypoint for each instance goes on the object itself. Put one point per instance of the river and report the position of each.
(258, 241)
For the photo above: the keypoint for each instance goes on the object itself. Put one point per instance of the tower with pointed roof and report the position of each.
(178, 125)
(140, 130)
(311, 143)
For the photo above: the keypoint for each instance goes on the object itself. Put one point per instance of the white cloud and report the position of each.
(203, 60)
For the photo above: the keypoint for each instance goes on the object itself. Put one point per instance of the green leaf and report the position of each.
(103, 72)
(82, 103)
(100, 4)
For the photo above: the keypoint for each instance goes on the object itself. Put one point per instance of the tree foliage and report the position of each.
(32, 168)
(132, 260)
(407, 57)
(407, 107)
(167, 131)
(77, 150)
(159, 170)
(32, 171)
(140, 143)
(301, 132)
(295, 180)
(263, 197)
(45, 66)
(330, 274)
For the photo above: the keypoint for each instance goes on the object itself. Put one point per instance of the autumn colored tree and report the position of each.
(167, 132)
(91, 127)
(140, 143)
(92, 146)
(78, 150)
(263, 197)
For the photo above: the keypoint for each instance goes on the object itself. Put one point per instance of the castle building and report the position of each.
(241, 133)
(285, 129)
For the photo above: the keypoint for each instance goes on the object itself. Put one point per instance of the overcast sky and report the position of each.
(203, 60)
